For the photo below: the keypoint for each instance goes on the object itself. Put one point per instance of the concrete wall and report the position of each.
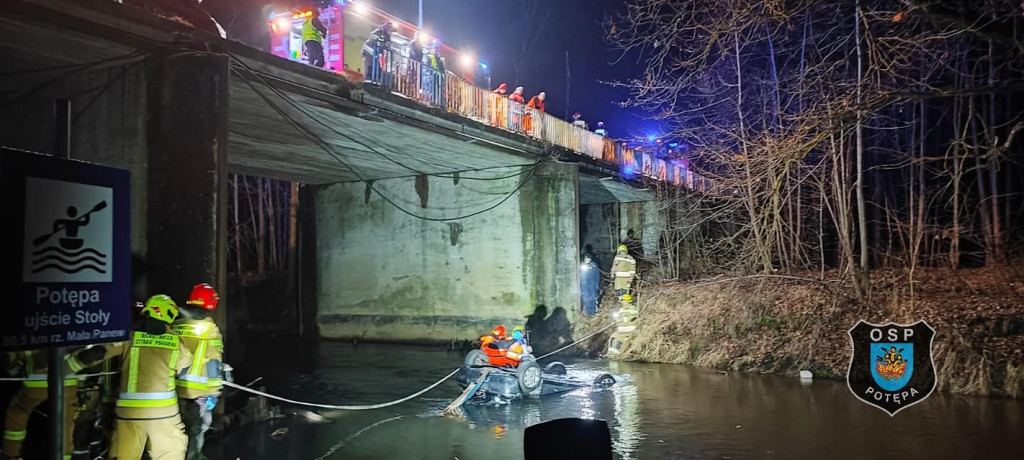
(108, 120)
(385, 275)
(599, 228)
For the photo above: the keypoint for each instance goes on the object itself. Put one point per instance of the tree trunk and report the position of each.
(271, 196)
(861, 205)
(993, 164)
(261, 233)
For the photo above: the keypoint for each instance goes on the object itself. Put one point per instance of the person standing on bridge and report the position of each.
(376, 53)
(578, 122)
(600, 131)
(516, 102)
(498, 104)
(533, 124)
(313, 33)
(199, 385)
(624, 270)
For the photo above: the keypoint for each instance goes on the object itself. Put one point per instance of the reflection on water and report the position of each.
(655, 411)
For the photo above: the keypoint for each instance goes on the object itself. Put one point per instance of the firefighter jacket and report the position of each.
(203, 377)
(33, 366)
(536, 103)
(623, 269)
(149, 363)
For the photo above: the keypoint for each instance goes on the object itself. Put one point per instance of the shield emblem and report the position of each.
(891, 365)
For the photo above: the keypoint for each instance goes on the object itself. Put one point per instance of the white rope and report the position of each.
(72, 376)
(577, 342)
(330, 406)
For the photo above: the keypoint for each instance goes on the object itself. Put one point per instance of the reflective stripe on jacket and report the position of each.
(203, 376)
(149, 363)
(33, 366)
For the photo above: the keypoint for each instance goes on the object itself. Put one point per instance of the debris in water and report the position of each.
(279, 433)
(311, 416)
(739, 426)
(807, 375)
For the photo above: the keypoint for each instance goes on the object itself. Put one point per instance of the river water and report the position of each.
(655, 411)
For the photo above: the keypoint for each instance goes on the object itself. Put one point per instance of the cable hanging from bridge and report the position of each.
(322, 144)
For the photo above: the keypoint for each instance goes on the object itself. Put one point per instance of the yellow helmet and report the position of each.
(627, 297)
(622, 248)
(161, 307)
(519, 328)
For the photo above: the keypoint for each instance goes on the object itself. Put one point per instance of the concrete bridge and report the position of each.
(416, 223)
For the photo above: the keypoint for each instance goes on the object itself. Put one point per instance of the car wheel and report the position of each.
(528, 374)
(476, 358)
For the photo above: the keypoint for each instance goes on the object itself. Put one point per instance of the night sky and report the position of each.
(495, 30)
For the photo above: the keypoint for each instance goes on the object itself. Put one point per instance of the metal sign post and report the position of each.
(55, 378)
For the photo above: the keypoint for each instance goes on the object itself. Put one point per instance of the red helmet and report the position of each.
(203, 296)
(499, 331)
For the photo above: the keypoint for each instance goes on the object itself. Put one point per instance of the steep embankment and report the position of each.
(780, 325)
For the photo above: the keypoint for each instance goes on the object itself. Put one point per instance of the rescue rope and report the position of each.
(577, 342)
(66, 377)
(334, 407)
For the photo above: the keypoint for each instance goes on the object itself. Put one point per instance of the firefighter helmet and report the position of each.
(161, 307)
(203, 296)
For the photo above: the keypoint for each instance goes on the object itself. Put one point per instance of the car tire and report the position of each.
(604, 381)
(555, 368)
(476, 358)
(528, 375)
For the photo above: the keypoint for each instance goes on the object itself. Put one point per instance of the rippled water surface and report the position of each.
(655, 411)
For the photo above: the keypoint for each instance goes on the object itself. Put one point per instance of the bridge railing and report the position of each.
(439, 88)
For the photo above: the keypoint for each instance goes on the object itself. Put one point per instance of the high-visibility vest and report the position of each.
(202, 337)
(147, 376)
(309, 33)
(35, 366)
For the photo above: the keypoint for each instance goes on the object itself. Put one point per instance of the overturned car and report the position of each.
(497, 378)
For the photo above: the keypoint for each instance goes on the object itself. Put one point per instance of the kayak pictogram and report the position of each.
(68, 254)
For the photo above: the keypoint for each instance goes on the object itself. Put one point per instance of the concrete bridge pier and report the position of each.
(383, 274)
(188, 174)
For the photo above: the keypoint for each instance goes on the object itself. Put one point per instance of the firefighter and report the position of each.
(376, 53)
(578, 122)
(600, 131)
(533, 110)
(32, 365)
(199, 385)
(624, 270)
(516, 109)
(313, 33)
(147, 408)
(497, 335)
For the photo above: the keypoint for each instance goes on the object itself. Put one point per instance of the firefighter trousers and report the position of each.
(165, 437)
(20, 409)
(197, 421)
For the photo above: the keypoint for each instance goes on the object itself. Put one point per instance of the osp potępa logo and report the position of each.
(891, 366)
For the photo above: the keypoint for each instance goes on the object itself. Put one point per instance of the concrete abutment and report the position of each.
(383, 274)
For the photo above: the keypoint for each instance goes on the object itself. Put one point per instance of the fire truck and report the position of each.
(349, 23)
